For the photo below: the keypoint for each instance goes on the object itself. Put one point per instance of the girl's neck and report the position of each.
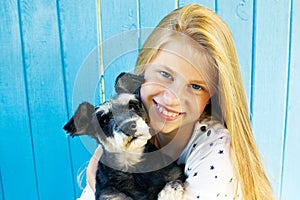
(174, 142)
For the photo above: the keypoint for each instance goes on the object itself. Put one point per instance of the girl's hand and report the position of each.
(92, 168)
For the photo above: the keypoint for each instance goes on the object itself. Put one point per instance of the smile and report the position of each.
(166, 112)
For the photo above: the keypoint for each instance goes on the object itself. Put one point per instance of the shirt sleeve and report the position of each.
(208, 167)
(87, 193)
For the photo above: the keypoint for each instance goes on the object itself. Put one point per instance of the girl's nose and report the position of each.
(171, 97)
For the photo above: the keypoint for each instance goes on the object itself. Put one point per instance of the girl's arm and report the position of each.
(89, 191)
(92, 168)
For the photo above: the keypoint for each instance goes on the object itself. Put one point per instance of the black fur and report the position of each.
(116, 181)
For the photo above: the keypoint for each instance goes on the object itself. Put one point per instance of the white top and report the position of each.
(208, 167)
(207, 162)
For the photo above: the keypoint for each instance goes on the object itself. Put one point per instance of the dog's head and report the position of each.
(119, 124)
(124, 122)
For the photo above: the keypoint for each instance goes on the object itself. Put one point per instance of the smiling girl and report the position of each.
(194, 94)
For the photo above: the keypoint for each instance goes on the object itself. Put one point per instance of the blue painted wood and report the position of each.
(46, 98)
(49, 63)
(1, 187)
(208, 3)
(119, 27)
(270, 83)
(77, 22)
(291, 163)
(239, 17)
(16, 152)
(150, 14)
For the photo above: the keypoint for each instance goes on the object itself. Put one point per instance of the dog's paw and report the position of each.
(118, 196)
(172, 191)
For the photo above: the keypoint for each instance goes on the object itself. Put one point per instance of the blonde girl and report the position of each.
(195, 98)
(211, 32)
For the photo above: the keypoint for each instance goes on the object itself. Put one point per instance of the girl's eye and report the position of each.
(165, 74)
(196, 87)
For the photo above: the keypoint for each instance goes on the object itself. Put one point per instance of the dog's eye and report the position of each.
(104, 119)
(133, 105)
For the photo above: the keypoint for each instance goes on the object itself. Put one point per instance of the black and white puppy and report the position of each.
(125, 169)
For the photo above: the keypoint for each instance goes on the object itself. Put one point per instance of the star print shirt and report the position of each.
(208, 165)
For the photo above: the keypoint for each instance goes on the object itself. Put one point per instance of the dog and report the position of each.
(121, 126)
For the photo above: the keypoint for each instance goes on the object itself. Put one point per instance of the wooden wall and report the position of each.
(49, 62)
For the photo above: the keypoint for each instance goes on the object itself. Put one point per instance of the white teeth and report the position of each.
(165, 112)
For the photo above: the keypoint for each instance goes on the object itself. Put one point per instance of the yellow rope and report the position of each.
(101, 68)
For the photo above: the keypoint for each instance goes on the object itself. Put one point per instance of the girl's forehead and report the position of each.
(176, 65)
(186, 51)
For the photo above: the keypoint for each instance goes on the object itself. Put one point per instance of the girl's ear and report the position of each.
(128, 83)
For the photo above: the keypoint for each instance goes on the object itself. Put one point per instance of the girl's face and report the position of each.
(174, 92)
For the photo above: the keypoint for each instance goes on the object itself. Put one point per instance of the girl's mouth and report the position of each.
(166, 113)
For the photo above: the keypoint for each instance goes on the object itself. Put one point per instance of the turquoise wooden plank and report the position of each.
(1, 187)
(46, 98)
(270, 80)
(208, 3)
(291, 164)
(150, 14)
(119, 38)
(77, 51)
(16, 152)
(78, 29)
(239, 17)
(79, 39)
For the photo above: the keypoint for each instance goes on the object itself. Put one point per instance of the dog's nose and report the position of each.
(133, 126)
(129, 128)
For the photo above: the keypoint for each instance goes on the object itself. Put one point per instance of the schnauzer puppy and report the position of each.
(126, 169)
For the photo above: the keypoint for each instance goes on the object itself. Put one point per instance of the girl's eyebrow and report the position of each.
(167, 68)
(200, 82)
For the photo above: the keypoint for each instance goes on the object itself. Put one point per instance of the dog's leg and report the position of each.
(172, 191)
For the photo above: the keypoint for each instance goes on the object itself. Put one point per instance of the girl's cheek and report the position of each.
(143, 94)
(148, 90)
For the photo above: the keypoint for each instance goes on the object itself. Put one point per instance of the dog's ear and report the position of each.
(83, 121)
(128, 83)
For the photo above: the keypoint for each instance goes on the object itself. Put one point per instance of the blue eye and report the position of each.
(196, 87)
(165, 74)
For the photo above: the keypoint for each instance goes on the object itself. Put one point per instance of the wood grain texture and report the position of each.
(291, 163)
(150, 14)
(1, 187)
(49, 63)
(77, 22)
(120, 39)
(16, 150)
(46, 98)
(270, 83)
(208, 3)
(239, 17)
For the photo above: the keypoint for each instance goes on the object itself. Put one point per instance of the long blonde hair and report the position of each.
(211, 32)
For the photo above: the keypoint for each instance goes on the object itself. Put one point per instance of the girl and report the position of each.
(195, 99)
